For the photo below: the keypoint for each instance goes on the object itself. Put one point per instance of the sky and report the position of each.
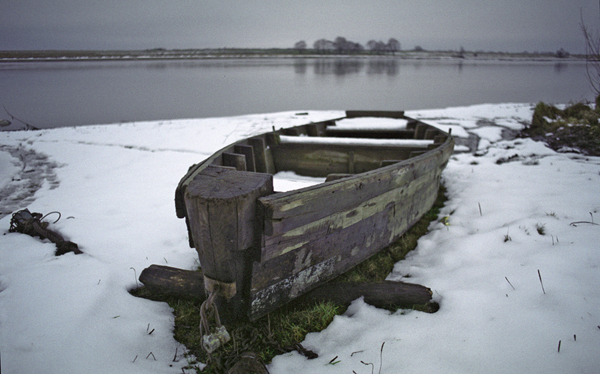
(483, 25)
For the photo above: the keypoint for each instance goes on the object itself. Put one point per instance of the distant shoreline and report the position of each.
(233, 53)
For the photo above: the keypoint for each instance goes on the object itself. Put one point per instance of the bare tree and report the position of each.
(592, 56)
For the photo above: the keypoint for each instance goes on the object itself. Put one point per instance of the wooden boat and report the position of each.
(259, 248)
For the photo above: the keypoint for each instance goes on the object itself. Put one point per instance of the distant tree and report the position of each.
(300, 46)
(393, 45)
(346, 46)
(418, 48)
(323, 45)
(340, 44)
(377, 47)
(561, 53)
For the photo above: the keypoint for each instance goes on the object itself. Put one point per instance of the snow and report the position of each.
(355, 141)
(370, 123)
(114, 186)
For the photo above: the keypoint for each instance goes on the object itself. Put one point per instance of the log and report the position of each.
(170, 281)
(380, 294)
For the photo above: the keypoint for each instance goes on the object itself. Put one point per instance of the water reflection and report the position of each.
(338, 66)
(560, 67)
(342, 67)
(387, 66)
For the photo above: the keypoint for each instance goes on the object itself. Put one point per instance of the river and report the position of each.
(70, 93)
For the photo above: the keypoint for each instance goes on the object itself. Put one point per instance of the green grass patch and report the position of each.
(282, 330)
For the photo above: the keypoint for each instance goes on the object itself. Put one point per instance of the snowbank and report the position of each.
(509, 211)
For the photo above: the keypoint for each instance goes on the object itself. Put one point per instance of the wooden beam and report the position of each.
(222, 214)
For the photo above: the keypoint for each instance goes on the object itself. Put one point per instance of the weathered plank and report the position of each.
(320, 160)
(317, 202)
(221, 209)
(287, 234)
(372, 133)
(260, 158)
(375, 113)
(248, 152)
(356, 241)
(236, 160)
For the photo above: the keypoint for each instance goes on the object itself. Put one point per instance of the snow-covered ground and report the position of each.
(510, 212)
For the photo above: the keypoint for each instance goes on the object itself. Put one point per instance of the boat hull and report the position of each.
(274, 247)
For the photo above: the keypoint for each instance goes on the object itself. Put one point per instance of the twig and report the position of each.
(151, 354)
(542, 283)
(369, 363)
(381, 357)
(588, 222)
(480, 213)
(134, 359)
(559, 346)
(27, 126)
(513, 287)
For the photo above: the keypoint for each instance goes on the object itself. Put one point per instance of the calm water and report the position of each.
(56, 94)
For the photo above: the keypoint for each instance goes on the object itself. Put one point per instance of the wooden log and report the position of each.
(222, 213)
(169, 281)
(380, 294)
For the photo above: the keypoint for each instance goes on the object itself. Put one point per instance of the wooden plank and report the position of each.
(420, 130)
(248, 152)
(370, 134)
(385, 163)
(375, 113)
(334, 177)
(319, 160)
(342, 194)
(294, 232)
(431, 133)
(259, 147)
(222, 215)
(329, 256)
(236, 160)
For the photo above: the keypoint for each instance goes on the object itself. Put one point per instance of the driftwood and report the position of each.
(171, 281)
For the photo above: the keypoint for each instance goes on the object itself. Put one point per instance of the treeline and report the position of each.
(341, 45)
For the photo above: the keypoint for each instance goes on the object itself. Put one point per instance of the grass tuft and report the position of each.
(577, 126)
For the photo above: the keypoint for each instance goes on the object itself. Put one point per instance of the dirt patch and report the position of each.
(35, 168)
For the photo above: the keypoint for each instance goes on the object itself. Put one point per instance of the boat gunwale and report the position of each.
(197, 168)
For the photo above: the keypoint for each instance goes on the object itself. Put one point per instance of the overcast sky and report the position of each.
(487, 25)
